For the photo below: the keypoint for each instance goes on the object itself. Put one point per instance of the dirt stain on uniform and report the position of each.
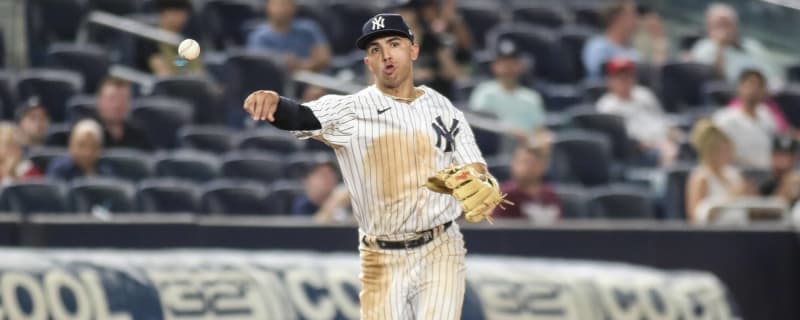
(400, 163)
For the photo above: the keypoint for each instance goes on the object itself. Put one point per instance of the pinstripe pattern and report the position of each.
(385, 159)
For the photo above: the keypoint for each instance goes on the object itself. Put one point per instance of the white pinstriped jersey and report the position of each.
(387, 149)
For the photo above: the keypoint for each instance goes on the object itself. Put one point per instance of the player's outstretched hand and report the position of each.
(261, 105)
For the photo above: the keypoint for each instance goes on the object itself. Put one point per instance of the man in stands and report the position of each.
(534, 199)
(621, 21)
(33, 122)
(113, 107)
(85, 147)
(160, 58)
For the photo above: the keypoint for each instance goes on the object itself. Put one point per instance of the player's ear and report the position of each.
(414, 51)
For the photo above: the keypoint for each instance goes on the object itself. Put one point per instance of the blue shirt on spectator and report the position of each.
(303, 206)
(302, 36)
(66, 169)
(598, 50)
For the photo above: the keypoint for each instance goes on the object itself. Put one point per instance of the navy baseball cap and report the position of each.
(381, 25)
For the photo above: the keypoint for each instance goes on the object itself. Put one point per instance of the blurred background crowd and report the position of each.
(662, 110)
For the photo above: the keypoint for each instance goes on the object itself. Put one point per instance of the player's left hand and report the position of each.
(479, 193)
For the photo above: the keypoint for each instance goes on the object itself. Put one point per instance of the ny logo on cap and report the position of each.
(377, 23)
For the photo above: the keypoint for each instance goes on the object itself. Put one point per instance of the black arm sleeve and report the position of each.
(290, 115)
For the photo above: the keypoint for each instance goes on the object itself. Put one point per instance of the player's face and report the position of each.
(390, 59)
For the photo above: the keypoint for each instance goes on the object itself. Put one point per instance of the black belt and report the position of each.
(422, 238)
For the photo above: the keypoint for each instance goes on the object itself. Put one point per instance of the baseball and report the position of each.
(189, 49)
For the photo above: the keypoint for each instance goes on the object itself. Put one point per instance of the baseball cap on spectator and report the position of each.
(619, 65)
(506, 48)
(381, 25)
(785, 144)
(29, 105)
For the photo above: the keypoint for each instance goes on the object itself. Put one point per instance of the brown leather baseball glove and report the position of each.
(479, 193)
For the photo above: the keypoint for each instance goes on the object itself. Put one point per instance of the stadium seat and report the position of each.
(594, 90)
(480, 17)
(788, 100)
(612, 126)
(793, 73)
(258, 166)
(348, 17)
(8, 102)
(561, 97)
(282, 195)
(540, 44)
(674, 200)
(686, 42)
(128, 164)
(500, 167)
(234, 197)
(540, 14)
(588, 13)
(620, 202)
(118, 7)
(53, 87)
(269, 140)
(161, 118)
(223, 21)
(573, 200)
(682, 84)
(167, 196)
(582, 157)
(91, 61)
(2, 54)
(572, 39)
(489, 142)
(58, 135)
(81, 106)
(245, 73)
(111, 194)
(199, 91)
(718, 93)
(297, 165)
(42, 156)
(189, 165)
(207, 138)
(51, 21)
(34, 196)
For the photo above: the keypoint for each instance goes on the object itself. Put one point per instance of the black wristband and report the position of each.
(290, 115)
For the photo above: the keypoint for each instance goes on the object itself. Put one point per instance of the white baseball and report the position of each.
(189, 49)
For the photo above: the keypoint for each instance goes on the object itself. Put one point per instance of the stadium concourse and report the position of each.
(640, 138)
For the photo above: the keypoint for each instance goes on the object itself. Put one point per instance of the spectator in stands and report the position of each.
(729, 52)
(645, 121)
(760, 93)
(85, 146)
(505, 98)
(301, 42)
(113, 107)
(651, 39)
(13, 164)
(319, 184)
(751, 126)
(162, 59)
(784, 181)
(714, 181)
(33, 122)
(621, 22)
(440, 53)
(533, 198)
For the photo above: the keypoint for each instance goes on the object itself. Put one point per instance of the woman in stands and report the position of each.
(715, 181)
(13, 165)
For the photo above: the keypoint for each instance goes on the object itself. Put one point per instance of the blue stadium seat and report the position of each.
(582, 157)
(348, 17)
(561, 97)
(91, 61)
(613, 127)
(540, 14)
(161, 118)
(167, 196)
(223, 21)
(480, 17)
(594, 90)
(50, 21)
(269, 140)
(543, 46)
(718, 93)
(234, 197)
(788, 100)
(297, 165)
(573, 200)
(588, 14)
(621, 202)
(128, 164)
(282, 195)
(793, 73)
(500, 167)
(118, 7)
(8, 101)
(572, 39)
(263, 167)
(34, 196)
(682, 84)
(81, 106)
(674, 201)
(53, 87)
(245, 73)
(42, 156)
(190, 165)
(58, 135)
(111, 194)
(488, 141)
(203, 95)
(207, 138)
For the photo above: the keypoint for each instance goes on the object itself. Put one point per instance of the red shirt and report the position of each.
(526, 204)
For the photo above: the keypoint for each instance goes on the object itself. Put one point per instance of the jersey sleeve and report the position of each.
(336, 116)
(466, 150)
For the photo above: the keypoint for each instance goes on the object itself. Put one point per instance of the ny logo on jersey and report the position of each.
(443, 133)
(377, 23)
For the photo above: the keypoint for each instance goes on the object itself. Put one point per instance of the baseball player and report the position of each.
(411, 165)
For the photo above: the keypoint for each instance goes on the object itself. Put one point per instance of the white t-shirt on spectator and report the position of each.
(644, 119)
(751, 137)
